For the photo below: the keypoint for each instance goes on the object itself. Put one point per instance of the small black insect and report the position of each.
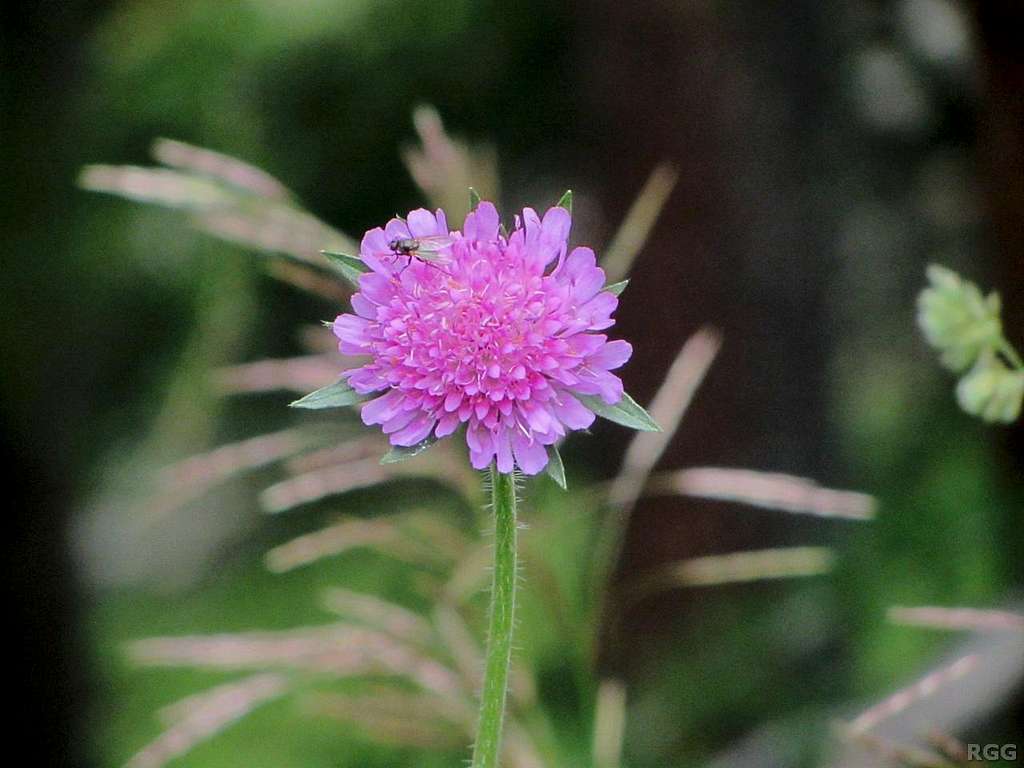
(426, 249)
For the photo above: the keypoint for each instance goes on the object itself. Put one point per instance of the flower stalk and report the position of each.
(487, 748)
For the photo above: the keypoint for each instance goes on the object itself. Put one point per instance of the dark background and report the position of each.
(827, 151)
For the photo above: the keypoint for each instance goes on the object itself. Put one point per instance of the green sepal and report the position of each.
(616, 288)
(474, 199)
(566, 201)
(336, 395)
(350, 267)
(555, 468)
(402, 453)
(625, 412)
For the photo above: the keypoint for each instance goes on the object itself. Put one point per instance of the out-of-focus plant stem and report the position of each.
(499, 639)
(1011, 354)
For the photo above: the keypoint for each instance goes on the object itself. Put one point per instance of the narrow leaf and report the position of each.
(350, 267)
(474, 199)
(555, 469)
(401, 453)
(617, 288)
(566, 201)
(334, 395)
(625, 412)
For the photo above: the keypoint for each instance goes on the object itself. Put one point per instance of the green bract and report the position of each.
(336, 395)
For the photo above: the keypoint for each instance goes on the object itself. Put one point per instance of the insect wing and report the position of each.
(430, 248)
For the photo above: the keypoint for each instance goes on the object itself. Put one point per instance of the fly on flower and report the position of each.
(427, 249)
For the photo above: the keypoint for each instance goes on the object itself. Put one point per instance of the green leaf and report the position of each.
(350, 267)
(617, 288)
(992, 391)
(957, 319)
(625, 412)
(566, 201)
(334, 395)
(555, 468)
(474, 199)
(401, 453)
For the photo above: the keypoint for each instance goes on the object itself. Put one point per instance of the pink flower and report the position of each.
(497, 333)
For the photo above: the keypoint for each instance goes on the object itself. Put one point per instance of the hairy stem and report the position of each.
(499, 638)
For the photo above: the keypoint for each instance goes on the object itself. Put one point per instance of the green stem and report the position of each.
(499, 638)
(1011, 354)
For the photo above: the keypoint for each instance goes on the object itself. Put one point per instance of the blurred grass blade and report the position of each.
(378, 613)
(228, 169)
(609, 723)
(965, 619)
(734, 568)
(469, 576)
(275, 228)
(445, 168)
(668, 408)
(363, 447)
(160, 186)
(196, 474)
(290, 374)
(337, 650)
(912, 694)
(885, 752)
(768, 490)
(383, 536)
(231, 200)
(308, 279)
(397, 718)
(204, 715)
(632, 234)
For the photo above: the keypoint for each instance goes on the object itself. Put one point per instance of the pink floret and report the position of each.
(496, 333)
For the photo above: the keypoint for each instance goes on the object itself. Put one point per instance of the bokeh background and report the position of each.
(826, 152)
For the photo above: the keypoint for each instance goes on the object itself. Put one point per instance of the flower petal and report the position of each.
(572, 412)
(447, 424)
(556, 225)
(503, 451)
(383, 408)
(531, 457)
(364, 307)
(422, 223)
(612, 355)
(415, 431)
(373, 249)
(483, 223)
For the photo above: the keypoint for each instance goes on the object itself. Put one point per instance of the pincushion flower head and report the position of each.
(500, 334)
